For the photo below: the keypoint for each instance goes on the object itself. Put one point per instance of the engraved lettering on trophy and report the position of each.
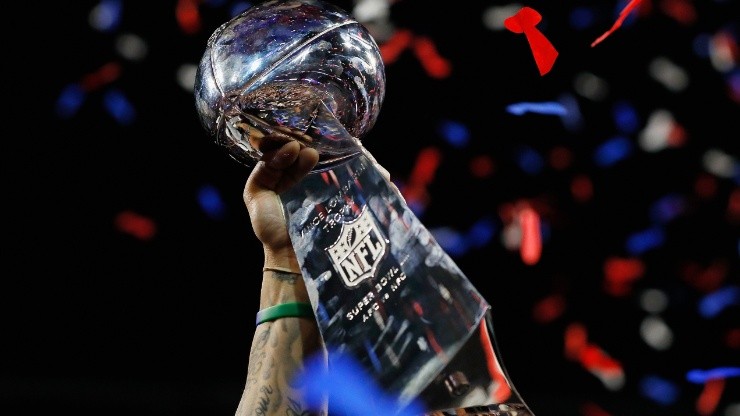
(391, 281)
(330, 214)
(362, 303)
(358, 250)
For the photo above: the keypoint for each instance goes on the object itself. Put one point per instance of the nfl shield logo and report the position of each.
(358, 249)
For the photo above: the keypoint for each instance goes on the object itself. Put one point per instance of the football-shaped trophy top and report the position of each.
(298, 69)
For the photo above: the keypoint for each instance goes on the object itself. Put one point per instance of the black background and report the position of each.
(101, 322)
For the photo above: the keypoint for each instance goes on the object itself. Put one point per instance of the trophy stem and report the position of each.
(384, 291)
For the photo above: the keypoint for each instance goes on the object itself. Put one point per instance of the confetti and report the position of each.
(525, 21)
(550, 108)
(622, 16)
(136, 225)
(349, 388)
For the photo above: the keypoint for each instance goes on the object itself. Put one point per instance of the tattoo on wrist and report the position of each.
(285, 277)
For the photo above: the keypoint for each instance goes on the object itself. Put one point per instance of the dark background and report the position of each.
(102, 321)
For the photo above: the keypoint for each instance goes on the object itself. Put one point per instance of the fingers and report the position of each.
(307, 159)
(283, 164)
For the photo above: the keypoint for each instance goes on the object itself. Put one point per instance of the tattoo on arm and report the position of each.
(263, 401)
(285, 277)
(277, 351)
(295, 409)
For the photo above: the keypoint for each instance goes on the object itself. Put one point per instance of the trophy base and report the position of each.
(514, 409)
(474, 382)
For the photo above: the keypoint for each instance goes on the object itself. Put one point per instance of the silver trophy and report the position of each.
(381, 287)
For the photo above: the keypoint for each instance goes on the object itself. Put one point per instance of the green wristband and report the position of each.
(285, 310)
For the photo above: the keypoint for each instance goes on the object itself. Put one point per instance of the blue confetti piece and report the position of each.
(450, 240)
(481, 233)
(417, 207)
(659, 390)
(701, 45)
(714, 303)
(350, 390)
(612, 151)
(667, 208)
(70, 100)
(211, 203)
(530, 161)
(548, 107)
(456, 134)
(643, 241)
(108, 15)
(702, 376)
(572, 120)
(581, 18)
(119, 107)
(733, 81)
(626, 117)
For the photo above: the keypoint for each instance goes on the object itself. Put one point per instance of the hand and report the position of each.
(284, 163)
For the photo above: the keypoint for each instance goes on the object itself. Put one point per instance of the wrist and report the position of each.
(281, 259)
(282, 286)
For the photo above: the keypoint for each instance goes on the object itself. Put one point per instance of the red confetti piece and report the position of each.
(426, 166)
(732, 338)
(708, 400)
(680, 10)
(677, 135)
(530, 249)
(481, 166)
(427, 162)
(581, 188)
(435, 65)
(549, 309)
(575, 340)
(622, 15)
(188, 16)
(136, 225)
(424, 48)
(705, 185)
(705, 279)
(544, 52)
(733, 207)
(392, 48)
(592, 357)
(561, 158)
(105, 75)
(591, 409)
(619, 274)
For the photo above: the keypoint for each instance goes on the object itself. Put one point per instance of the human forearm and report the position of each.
(278, 350)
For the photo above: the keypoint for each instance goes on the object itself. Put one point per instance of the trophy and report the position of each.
(381, 287)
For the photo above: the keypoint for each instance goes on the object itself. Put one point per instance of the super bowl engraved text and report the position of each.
(366, 306)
